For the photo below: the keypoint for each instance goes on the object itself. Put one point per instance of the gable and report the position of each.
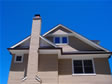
(26, 42)
(59, 32)
(62, 30)
(58, 29)
(74, 45)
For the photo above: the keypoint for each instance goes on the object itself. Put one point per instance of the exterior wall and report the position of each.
(44, 44)
(48, 68)
(17, 70)
(59, 71)
(102, 73)
(102, 66)
(74, 44)
(60, 28)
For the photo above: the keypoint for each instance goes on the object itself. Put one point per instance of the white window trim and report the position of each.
(16, 57)
(94, 73)
(60, 40)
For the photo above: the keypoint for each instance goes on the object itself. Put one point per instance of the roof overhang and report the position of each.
(19, 50)
(61, 54)
(84, 56)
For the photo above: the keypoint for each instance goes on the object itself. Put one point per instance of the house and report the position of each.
(60, 56)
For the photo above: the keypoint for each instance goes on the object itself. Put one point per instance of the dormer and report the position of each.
(60, 39)
(58, 35)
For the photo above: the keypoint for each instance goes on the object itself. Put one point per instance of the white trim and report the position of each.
(94, 72)
(19, 51)
(60, 37)
(29, 38)
(69, 34)
(38, 79)
(49, 51)
(16, 57)
(94, 66)
(51, 30)
(24, 78)
(20, 42)
(80, 37)
(48, 41)
(79, 56)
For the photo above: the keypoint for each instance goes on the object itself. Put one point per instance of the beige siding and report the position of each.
(78, 44)
(102, 66)
(66, 77)
(17, 70)
(60, 28)
(59, 71)
(65, 66)
(74, 44)
(48, 68)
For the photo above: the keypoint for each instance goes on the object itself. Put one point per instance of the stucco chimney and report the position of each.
(32, 69)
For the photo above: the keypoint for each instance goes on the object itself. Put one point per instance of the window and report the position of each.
(18, 59)
(61, 40)
(64, 39)
(78, 66)
(83, 67)
(57, 39)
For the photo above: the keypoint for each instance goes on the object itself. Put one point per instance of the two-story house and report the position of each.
(60, 56)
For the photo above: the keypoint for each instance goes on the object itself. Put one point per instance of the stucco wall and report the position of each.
(17, 70)
(102, 73)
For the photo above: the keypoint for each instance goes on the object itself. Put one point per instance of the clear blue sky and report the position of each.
(92, 19)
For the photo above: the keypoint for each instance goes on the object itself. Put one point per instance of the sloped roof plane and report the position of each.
(93, 44)
(28, 39)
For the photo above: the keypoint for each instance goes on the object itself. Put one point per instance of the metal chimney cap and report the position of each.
(37, 14)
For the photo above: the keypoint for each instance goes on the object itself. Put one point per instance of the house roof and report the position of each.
(20, 42)
(27, 38)
(48, 41)
(90, 42)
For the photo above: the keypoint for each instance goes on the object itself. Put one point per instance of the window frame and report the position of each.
(94, 73)
(60, 40)
(15, 61)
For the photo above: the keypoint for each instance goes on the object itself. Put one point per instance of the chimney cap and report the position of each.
(36, 17)
(37, 14)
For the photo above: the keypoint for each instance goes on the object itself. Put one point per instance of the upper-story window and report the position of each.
(57, 40)
(83, 67)
(18, 59)
(61, 40)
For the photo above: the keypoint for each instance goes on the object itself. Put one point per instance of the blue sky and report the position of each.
(92, 19)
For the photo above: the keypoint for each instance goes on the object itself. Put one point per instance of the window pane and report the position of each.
(88, 66)
(18, 58)
(88, 69)
(64, 39)
(57, 39)
(88, 63)
(78, 66)
(78, 63)
(78, 70)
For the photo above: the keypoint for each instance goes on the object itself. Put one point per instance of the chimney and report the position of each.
(32, 69)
